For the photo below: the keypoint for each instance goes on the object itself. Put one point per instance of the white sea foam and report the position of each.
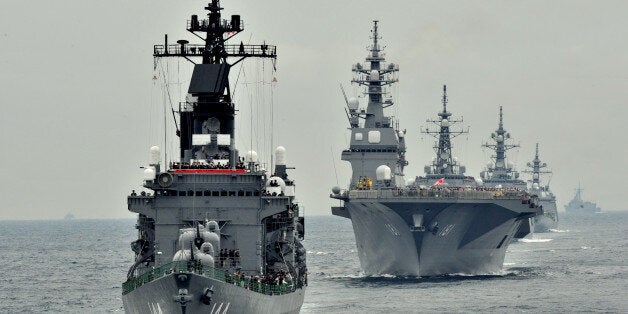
(558, 230)
(535, 240)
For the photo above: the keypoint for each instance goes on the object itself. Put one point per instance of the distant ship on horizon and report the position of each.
(578, 206)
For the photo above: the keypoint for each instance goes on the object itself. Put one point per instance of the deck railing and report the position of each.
(450, 193)
(206, 271)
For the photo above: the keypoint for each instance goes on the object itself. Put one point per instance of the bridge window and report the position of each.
(215, 193)
(181, 193)
(207, 193)
(249, 193)
(240, 193)
(223, 193)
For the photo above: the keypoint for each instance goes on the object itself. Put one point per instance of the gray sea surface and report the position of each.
(77, 266)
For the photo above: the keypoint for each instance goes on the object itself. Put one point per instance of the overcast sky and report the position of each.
(80, 109)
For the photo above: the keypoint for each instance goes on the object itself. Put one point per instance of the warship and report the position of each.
(501, 173)
(407, 229)
(579, 206)
(549, 219)
(216, 232)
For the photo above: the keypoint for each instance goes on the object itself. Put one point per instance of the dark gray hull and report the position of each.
(458, 237)
(158, 296)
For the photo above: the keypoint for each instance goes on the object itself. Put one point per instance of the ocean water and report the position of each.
(77, 266)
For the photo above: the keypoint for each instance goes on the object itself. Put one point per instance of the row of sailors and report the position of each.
(229, 257)
(200, 165)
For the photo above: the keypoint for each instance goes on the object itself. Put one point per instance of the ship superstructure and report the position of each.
(415, 230)
(375, 139)
(445, 169)
(216, 232)
(500, 172)
(579, 206)
(549, 219)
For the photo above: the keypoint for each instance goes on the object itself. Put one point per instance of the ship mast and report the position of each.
(536, 167)
(444, 164)
(207, 117)
(500, 170)
(375, 78)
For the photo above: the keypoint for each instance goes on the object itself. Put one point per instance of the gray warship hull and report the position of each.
(159, 296)
(549, 219)
(454, 236)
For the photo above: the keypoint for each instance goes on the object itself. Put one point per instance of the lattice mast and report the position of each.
(536, 168)
(500, 170)
(374, 76)
(444, 162)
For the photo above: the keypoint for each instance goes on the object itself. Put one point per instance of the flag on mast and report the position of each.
(440, 181)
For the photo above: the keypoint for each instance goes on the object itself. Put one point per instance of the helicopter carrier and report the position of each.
(501, 173)
(414, 230)
(549, 219)
(216, 232)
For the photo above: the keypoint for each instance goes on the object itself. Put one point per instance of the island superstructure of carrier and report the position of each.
(216, 232)
(416, 230)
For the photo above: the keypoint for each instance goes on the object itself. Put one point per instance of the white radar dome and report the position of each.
(280, 155)
(444, 122)
(251, 156)
(535, 186)
(149, 174)
(410, 182)
(500, 138)
(154, 155)
(353, 103)
(511, 165)
(401, 134)
(335, 190)
(383, 173)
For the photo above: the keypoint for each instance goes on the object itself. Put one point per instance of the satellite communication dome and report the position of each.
(335, 190)
(154, 155)
(353, 103)
(535, 186)
(149, 174)
(280, 155)
(383, 173)
(500, 138)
